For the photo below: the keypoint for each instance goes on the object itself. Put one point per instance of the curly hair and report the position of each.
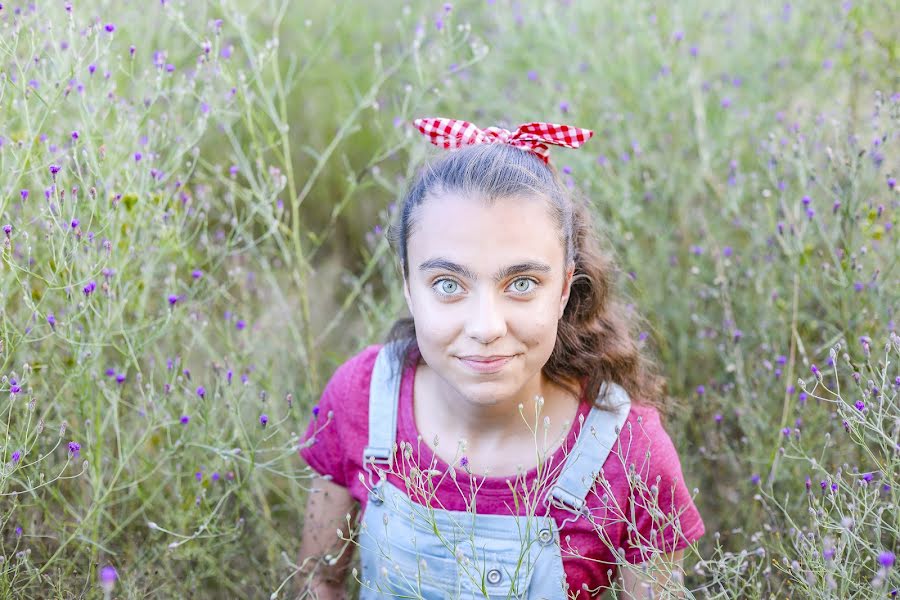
(596, 338)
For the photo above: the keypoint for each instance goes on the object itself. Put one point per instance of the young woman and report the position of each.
(505, 441)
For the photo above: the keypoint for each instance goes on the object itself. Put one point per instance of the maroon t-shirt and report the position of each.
(587, 548)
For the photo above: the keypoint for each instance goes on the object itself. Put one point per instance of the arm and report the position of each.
(663, 579)
(326, 508)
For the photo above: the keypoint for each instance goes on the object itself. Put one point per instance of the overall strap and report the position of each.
(598, 436)
(384, 393)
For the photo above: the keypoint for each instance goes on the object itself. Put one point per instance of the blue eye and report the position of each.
(524, 280)
(444, 291)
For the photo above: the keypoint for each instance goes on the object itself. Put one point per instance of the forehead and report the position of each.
(482, 234)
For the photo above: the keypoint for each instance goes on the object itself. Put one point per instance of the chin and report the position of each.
(486, 393)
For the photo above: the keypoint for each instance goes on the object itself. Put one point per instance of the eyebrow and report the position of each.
(442, 264)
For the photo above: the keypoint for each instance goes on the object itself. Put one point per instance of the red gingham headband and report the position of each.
(453, 133)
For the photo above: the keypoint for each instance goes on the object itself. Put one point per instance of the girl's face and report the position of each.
(486, 282)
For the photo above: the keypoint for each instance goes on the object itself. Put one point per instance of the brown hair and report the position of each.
(595, 340)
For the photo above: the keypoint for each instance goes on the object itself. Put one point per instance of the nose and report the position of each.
(487, 322)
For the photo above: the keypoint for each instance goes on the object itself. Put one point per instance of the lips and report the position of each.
(485, 364)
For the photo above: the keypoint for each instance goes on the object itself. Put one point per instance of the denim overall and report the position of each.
(410, 550)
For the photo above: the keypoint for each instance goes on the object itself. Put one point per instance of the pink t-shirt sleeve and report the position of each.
(671, 521)
(321, 446)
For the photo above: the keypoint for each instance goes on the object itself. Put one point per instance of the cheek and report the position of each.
(542, 316)
(432, 319)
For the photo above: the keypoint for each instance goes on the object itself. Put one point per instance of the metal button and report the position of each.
(545, 535)
(493, 576)
(375, 497)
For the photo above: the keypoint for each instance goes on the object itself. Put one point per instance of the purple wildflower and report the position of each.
(51, 320)
(7, 229)
(74, 449)
(110, 28)
(120, 378)
(240, 324)
(201, 391)
(754, 479)
(108, 576)
(196, 273)
(89, 288)
(886, 559)
(24, 194)
(263, 419)
(173, 298)
(54, 169)
(315, 410)
(75, 223)
(860, 405)
(16, 456)
(701, 390)
(185, 419)
(215, 476)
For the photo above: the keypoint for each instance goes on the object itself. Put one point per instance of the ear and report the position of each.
(567, 289)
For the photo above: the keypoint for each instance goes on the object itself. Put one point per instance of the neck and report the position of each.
(495, 425)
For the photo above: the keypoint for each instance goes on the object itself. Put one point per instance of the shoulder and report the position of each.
(347, 390)
(337, 430)
(646, 446)
(356, 371)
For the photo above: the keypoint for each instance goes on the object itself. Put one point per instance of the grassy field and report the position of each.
(194, 195)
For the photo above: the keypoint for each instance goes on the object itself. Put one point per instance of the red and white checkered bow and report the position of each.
(453, 133)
